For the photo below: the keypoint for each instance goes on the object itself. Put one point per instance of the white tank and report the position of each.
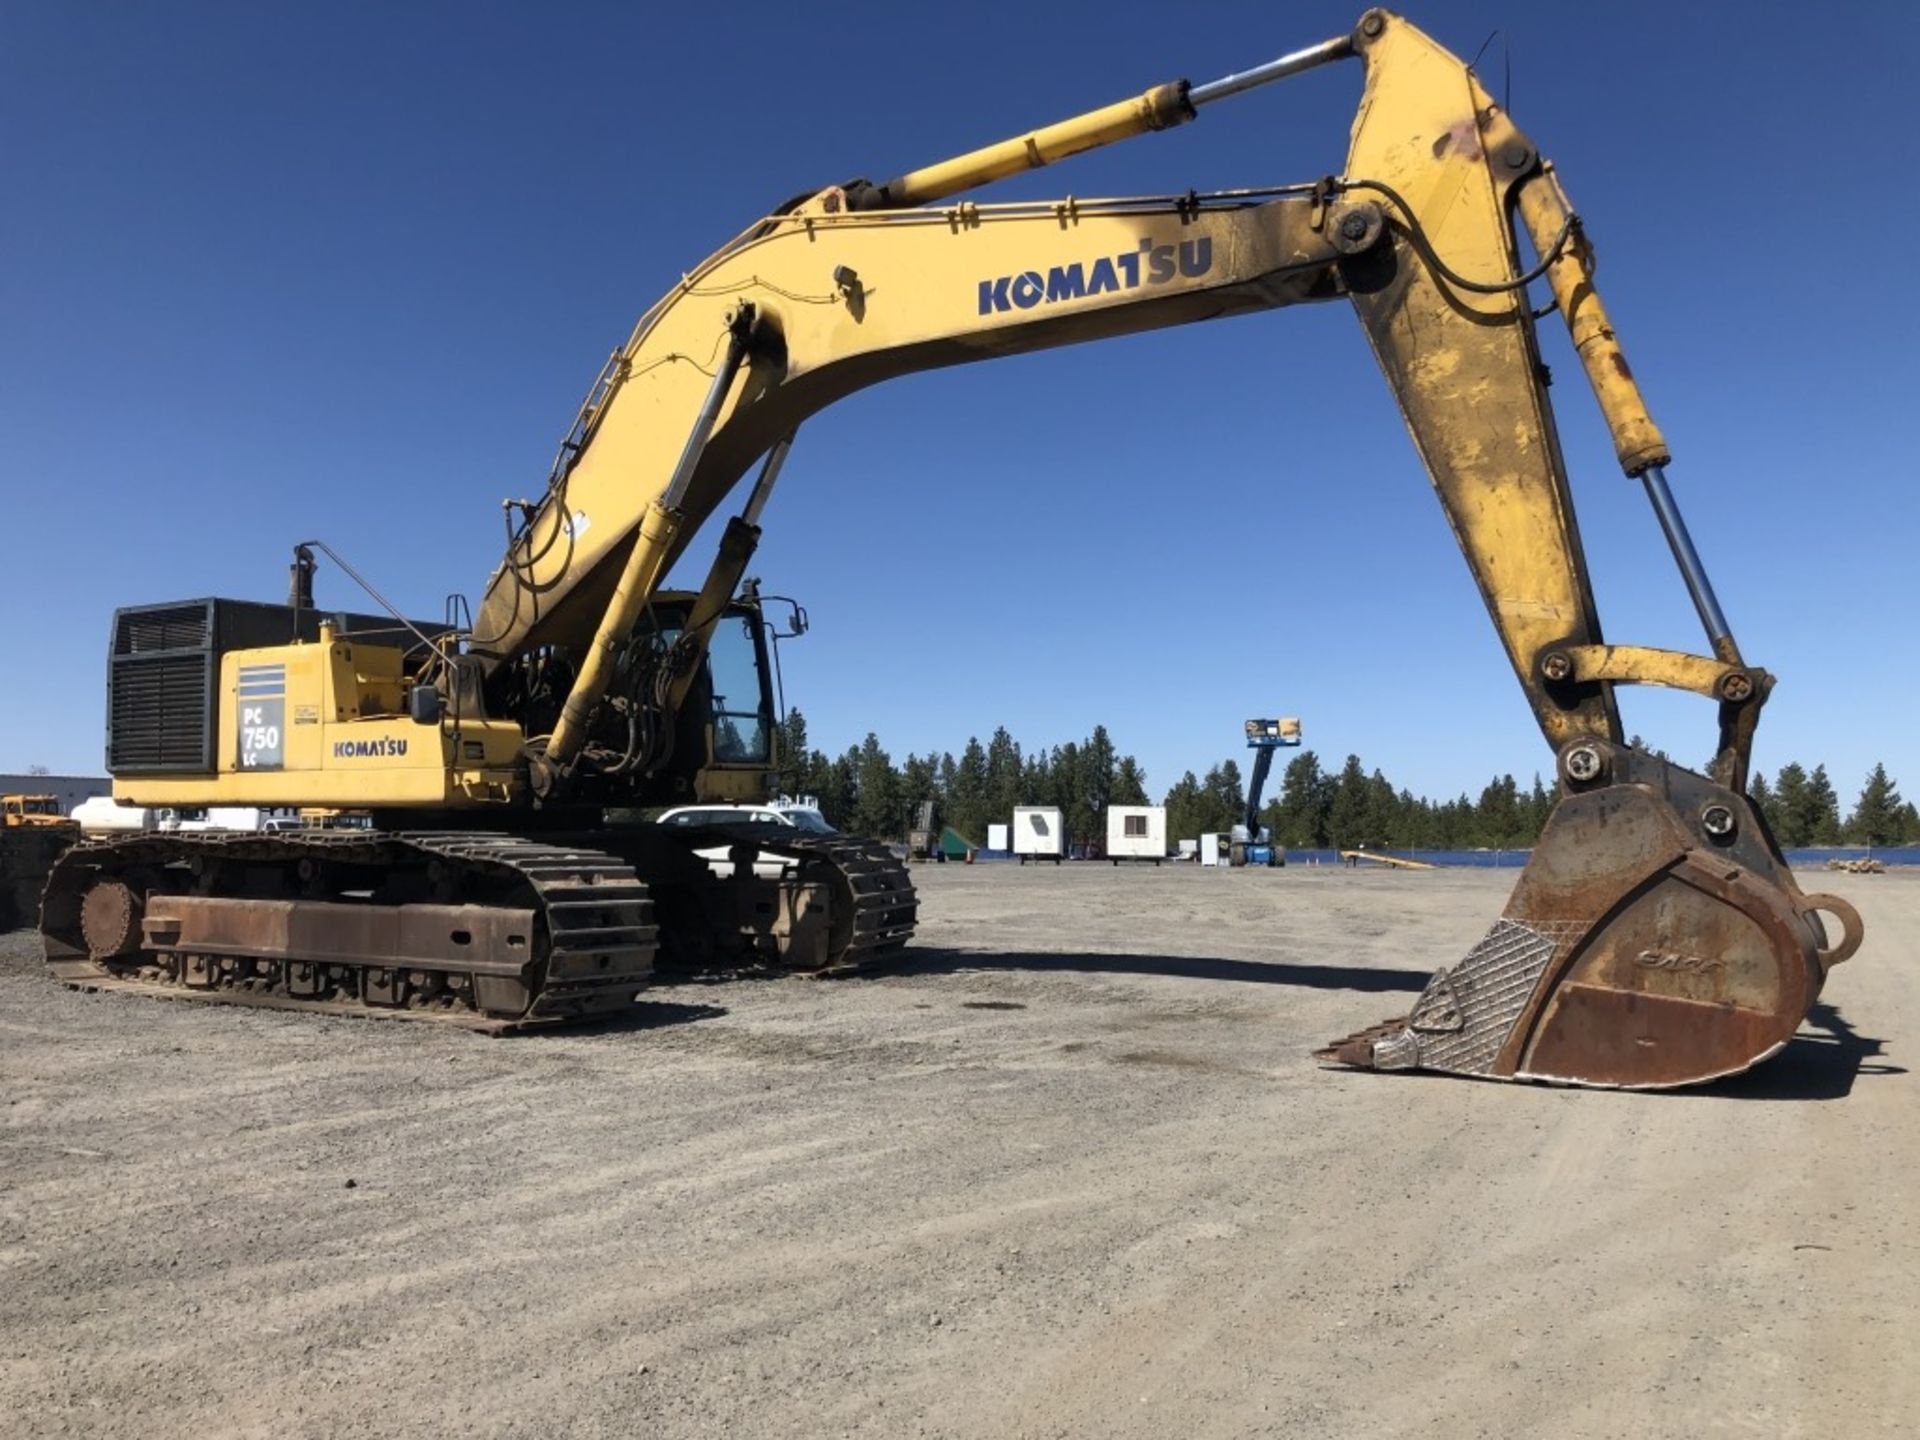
(103, 815)
(236, 817)
(216, 817)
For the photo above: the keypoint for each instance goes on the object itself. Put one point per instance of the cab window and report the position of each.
(741, 726)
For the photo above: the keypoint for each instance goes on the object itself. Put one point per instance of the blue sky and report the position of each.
(346, 271)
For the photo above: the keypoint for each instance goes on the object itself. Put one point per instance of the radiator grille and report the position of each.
(161, 713)
(178, 627)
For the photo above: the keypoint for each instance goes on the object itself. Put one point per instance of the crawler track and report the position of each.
(872, 902)
(495, 932)
(885, 906)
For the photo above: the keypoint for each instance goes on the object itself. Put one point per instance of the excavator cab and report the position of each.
(725, 728)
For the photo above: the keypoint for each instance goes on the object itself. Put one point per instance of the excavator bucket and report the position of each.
(1655, 939)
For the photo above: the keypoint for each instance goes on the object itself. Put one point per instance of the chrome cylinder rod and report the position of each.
(739, 325)
(1338, 48)
(1160, 108)
(1654, 477)
(769, 472)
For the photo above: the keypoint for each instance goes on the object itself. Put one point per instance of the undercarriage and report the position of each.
(490, 931)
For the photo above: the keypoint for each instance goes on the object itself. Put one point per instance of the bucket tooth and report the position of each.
(1463, 1018)
(1639, 949)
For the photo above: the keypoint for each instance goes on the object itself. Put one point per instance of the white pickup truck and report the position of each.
(781, 812)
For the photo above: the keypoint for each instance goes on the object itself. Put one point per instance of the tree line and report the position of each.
(865, 793)
(1803, 809)
(1315, 810)
(1308, 807)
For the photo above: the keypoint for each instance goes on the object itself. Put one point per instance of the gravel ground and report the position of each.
(1069, 1171)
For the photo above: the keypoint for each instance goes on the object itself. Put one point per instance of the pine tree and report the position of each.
(1634, 742)
(1229, 795)
(1791, 821)
(1498, 815)
(1186, 809)
(1064, 791)
(835, 785)
(1878, 817)
(1384, 825)
(1096, 782)
(1129, 782)
(793, 753)
(1823, 809)
(1761, 793)
(1036, 779)
(968, 807)
(814, 775)
(1540, 803)
(1455, 824)
(1299, 816)
(1209, 802)
(876, 802)
(918, 783)
(1416, 821)
(1005, 780)
(1347, 814)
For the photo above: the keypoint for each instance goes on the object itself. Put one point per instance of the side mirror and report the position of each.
(425, 704)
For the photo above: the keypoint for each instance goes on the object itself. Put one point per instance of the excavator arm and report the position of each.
(1657, 937)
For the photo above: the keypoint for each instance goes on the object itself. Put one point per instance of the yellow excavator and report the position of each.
(1656, 938)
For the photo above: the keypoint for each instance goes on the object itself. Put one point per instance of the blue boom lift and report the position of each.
(1252, 842)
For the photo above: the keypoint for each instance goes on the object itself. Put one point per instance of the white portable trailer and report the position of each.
(1039, 833)
(1137, 832)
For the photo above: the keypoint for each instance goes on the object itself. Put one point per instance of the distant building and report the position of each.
(69, 790)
